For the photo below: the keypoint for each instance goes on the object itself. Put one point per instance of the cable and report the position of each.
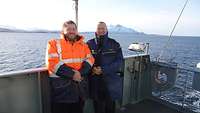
(170, 36)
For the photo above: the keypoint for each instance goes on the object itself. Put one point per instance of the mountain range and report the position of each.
(111, 28)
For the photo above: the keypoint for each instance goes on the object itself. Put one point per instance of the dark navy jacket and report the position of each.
(112, 63)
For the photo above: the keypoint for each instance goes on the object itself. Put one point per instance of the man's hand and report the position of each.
(77, 76)
(97, 70)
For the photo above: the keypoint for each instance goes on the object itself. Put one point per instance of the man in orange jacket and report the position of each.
(69, 61)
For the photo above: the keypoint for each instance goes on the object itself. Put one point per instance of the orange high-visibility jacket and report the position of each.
(63, 57)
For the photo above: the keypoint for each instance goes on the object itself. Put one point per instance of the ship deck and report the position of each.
(147, 106)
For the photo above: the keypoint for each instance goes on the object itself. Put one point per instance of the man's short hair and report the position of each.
(101, 22)
(69, 22)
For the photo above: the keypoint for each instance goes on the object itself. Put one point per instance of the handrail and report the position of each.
(23, 72)
(136, 55)
(43, 69)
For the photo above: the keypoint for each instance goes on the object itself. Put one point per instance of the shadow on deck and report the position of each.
(147, 106)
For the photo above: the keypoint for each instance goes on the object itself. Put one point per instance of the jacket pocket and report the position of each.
(63, 90)
(109, 52)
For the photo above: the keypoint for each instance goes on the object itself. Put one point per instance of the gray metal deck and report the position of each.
(147, 106)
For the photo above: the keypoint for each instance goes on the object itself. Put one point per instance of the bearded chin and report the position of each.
(70, 37)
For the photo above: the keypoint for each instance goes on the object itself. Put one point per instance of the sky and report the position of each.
(148, 16)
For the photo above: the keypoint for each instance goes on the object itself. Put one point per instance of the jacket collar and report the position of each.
(104, 36)
(104, 40)
(79, 39)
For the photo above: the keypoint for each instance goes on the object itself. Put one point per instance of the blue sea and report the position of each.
(20, 51)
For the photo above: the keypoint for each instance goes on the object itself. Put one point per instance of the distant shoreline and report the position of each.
(157, 35)
(29, 32)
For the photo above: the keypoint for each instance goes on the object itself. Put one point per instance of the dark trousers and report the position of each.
(104, 106)
(68, 107)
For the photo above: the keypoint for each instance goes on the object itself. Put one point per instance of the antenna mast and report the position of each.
(76, 10)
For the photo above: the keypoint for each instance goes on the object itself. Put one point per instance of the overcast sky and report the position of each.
(149, 16)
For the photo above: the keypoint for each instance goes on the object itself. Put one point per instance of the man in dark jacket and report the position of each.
(106, 76)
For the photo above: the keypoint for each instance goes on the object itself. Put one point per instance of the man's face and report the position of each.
(101, 29)
(70, 31)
